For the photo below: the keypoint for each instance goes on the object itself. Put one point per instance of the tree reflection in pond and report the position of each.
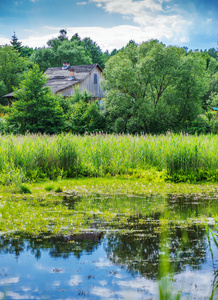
(126, 232)
(58, 246)
(140, 251)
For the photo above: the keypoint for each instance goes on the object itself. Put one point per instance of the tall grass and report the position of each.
(181, 157)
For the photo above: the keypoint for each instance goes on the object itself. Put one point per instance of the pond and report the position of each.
(120, 252)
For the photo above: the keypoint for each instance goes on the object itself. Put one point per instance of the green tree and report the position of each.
(95, 52)
(37, 108)
(74, 53)
(45, 58)
(15, 43)
(63, 35)
(77, 38)
(63, 51)
(84, 115)
(55, 42)
(191, 85)
(153, 88)
(11, 67)
(26, 51)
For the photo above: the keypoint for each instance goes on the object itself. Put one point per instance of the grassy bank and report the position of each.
(165, 157)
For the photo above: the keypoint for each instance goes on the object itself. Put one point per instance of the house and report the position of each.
(63, 80)
(214, 108)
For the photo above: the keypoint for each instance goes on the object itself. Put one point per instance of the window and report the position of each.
(95, 79)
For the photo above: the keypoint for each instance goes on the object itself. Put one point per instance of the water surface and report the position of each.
(117, 254)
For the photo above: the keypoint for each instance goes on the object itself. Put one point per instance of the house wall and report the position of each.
(87, 84)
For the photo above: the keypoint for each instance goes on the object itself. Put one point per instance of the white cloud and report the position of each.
(102, 292)
(17, 296)
(150, 15)
(4, 41)
(154, 19)
(109, 38)
(18, 3)
(75, 280)
(81, 3)
(9, 280)
(129, 6)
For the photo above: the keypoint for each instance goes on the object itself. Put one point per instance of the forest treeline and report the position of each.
(148, 87)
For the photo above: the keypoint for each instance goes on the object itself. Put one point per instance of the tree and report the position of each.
(63, 35)
(84, 115)
(45, 58)
(26, 51)
(55, 42)
(37, 108)
(153, 88)
(62, 51)
(77, 38)
(14, 42)
(94, 50)
(73, 53)
(11, 67)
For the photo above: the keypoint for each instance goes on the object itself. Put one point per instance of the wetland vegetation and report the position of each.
(114, 216)
(174, 157)
(108, 238)
(109, 216)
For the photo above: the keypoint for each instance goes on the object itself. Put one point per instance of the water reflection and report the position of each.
(60, 246)
(140, 251)
(114, 258)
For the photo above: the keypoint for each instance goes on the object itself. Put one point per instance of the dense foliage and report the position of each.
(150, 88)
(11, 67)
(37, 109)
(153, 88)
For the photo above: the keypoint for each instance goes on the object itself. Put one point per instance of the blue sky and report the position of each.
(112, 23)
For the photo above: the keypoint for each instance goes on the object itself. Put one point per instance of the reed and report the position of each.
(174, 157)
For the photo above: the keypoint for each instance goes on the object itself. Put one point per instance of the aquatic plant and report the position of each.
(212, 233)
(49, 187)
(174, 157)
(59, 189)
(23, 189)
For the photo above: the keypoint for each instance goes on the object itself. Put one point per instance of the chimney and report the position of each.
(71, 72)
(64, 67)
(71, 75)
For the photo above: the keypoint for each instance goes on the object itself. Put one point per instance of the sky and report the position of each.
(112, 23)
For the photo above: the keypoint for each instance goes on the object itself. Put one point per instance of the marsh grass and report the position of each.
(164, 157)
(23, 189)
(213, 233)
(49, 187)
(59, 189)
(165, 283)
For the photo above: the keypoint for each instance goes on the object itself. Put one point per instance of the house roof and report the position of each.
(59, 78)
(215, 108)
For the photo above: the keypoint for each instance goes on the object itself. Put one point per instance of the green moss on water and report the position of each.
(83, 202)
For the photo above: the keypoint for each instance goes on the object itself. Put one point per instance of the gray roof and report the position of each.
(59, 78)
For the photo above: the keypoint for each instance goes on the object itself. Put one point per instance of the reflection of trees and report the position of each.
(192, 205)
(60, 246)
(139, 251)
